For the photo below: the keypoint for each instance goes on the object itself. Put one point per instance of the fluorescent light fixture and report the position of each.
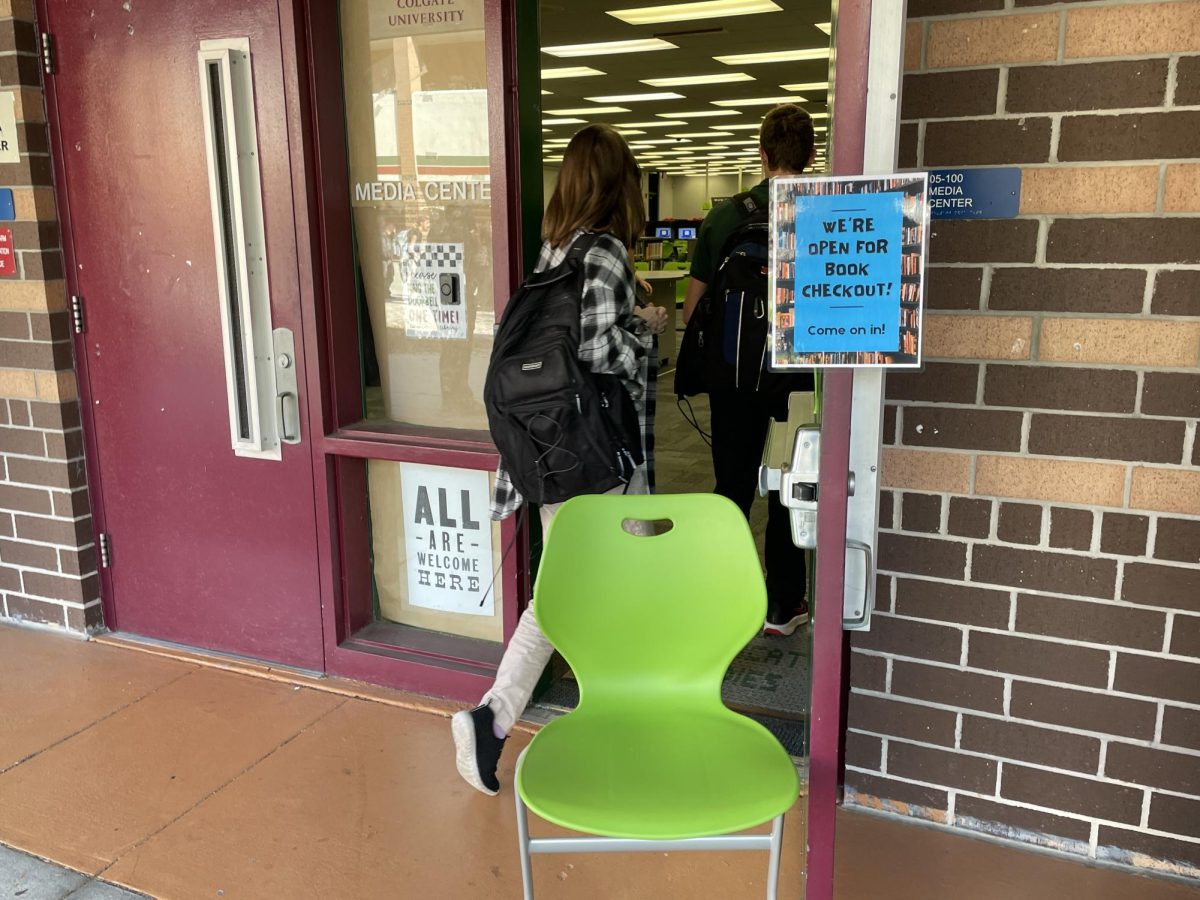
(684, 80)
(629, 131)
(563, 121)
(818, 115)
(546, 93)
(743, 143)
(695, 134)
(635, 98)
(826, 27)
(807, 86)
(664, 141)
(608, 48)
(570, 72)
(585, 111)
(551, 159)
(657, 123)
(699, 114)
(685, 12)
(773, 56)
(753, 127)
(761, 101)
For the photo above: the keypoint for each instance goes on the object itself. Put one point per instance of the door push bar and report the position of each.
(792, 465)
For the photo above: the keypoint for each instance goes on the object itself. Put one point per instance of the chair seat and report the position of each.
(657, 774)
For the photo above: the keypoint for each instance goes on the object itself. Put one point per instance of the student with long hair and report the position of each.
(598, 191)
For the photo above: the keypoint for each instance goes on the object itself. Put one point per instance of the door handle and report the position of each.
(288, 437)
(858, 618)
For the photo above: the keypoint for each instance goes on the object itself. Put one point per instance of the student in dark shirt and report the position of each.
(740, 416)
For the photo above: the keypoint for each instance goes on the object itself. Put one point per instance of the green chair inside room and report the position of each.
(649, 618)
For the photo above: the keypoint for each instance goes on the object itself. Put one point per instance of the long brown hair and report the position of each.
(599, 189)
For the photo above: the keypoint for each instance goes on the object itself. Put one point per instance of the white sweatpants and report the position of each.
(528, 652)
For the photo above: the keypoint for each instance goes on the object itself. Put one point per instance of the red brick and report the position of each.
(1178, 540)
(1082, 796)
(1152, 767)
(77, 562)
(1153, 585)
(1084, 86)
(910, 555)
(964, 429)
(921, 512)
(867, 673)
(89, 619)
(1096, 623)
(863, 751)
(969, 517)
(57, 587)
(1038, 659)
(906, 637)
(938, 382)
(1187, 81)
(1116, 240)
(1171, 394)
(944, 95)
(1181, 727)
(958, 603)
(22, 441)
(10, 579)
(30, 609)
(1085, 710)
(1162, 679)
(1067, 290)
(1027, 743)
(14, 325)
(953, 287)
(1177, 815)
(24, 499)
(1185, 636)
(906, 155)
(987, 142)
(1131, 847)
(1019, 523)
(881, 715)
(1176, 293)
(900, 791)
(985, 813)
(1040, 571)
(1054, 387)
(949, 687)
(1071, 529)
(1136, 440)
(941, 767)
(30, 556)
(994, 240)
(52, 473)
(1124, 534)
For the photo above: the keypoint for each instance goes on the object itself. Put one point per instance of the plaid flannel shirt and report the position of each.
(612, 341)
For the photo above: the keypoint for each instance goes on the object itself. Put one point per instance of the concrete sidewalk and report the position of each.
(178, 779)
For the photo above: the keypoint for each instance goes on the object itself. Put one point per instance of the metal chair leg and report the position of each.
(773, 865)
(523, 841)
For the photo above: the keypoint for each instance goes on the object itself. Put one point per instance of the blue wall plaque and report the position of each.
(7, 210)
(974, 193)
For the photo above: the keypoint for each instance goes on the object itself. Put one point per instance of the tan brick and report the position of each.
(925, 470)
(1166, 490)
(914, 34)
(34, 203)
(30, 105)
(1085, 483)
(978, 337)
(990, 40)
(1133, 29)
(1182, 192)
(57, 387)
(1120, 341)
(33, 296)
(17, 9)
(17, 383)
(1089, 189)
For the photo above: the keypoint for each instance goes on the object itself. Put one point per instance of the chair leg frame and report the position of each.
(772, 842)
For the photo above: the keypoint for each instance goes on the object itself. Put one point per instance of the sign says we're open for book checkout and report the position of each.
(847, 271)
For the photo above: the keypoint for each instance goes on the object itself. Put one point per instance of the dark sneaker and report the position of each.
(782, 624)
(477, 749)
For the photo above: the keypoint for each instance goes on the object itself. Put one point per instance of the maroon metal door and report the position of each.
(207, 548)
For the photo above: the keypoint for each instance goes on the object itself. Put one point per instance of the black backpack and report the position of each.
(724, 347)
(561, 429)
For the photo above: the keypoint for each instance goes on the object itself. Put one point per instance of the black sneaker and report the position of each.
(477, 749)
(782, 624)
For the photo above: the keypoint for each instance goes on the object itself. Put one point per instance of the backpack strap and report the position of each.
(582, 246)
(745, 204)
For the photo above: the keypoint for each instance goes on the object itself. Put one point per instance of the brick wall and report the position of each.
(1034, 668)
(47, 564)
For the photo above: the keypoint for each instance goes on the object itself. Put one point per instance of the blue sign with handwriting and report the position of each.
(8, 211)
(974, 193)
(848, 250)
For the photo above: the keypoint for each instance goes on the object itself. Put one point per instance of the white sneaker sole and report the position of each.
(462, 726)
(787, 628)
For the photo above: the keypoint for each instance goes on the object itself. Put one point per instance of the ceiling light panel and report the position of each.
(563, 121)
(685, 80)
(806, 86)
(761, 101)
(686, 12)
(570, 72)
(826, 27)
(657, 123)
(773, 56)
(609, 48)
(635, 98)
(585, 111)
(696, 134)
(753, 127)
(699, 114)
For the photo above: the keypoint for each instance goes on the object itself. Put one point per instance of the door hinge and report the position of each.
(47, 53)
(77, 314)
(105, 551)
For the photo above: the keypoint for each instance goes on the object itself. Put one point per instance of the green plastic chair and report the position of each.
(652, 759)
